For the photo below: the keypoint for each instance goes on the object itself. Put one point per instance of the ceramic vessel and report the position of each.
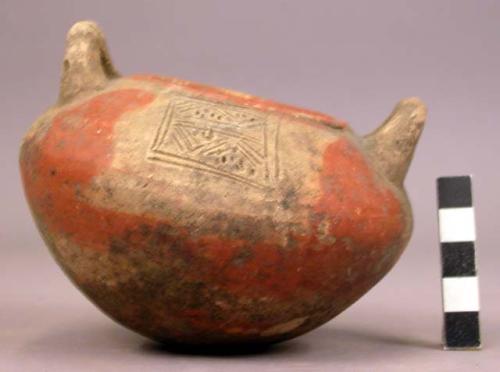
(199, 215)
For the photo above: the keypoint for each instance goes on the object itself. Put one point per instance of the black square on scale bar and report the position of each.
(458, 259)
(462, 330)
(454, 192)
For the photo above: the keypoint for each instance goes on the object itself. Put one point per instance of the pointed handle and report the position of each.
(87, 65)
(391, 146)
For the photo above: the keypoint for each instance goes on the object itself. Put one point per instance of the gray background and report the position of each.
(352, 59)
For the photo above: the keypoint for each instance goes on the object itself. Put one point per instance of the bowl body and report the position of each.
(198, 215)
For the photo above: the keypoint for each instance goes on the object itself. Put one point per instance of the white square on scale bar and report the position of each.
(457, 225)
(461, 293)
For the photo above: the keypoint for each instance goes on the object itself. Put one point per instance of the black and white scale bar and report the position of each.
(457, 233)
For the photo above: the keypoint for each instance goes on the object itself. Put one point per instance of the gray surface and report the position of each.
(351, 59)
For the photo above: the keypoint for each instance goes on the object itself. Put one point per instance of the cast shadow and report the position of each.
(226, 351)
(329, 342)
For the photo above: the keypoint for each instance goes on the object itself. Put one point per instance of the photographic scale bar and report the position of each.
(460, 289)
